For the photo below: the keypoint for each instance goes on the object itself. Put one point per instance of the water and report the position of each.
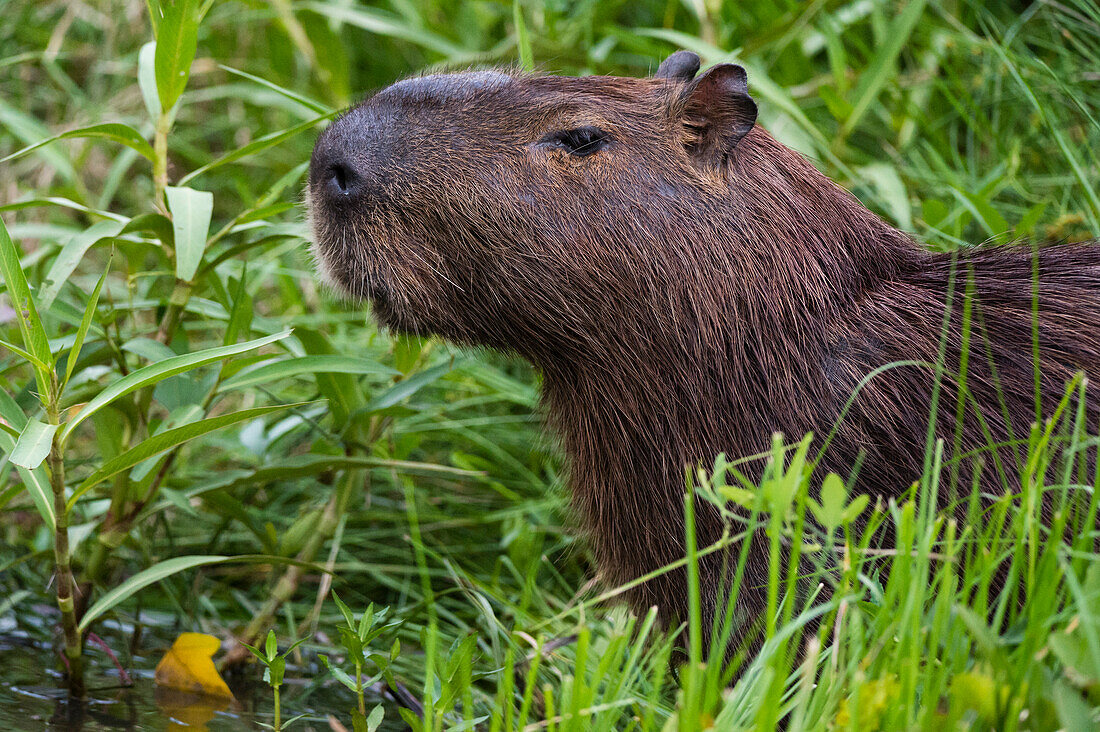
(32, 696)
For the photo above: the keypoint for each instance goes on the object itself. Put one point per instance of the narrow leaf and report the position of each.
(292, 95)
(147, 78)
(523, 40)
(69, 257)
(114, 131)
(387, 24)
(262, 143)
(36, 483)
(407, 387)
(85, 324)
(166, 440)
(177, 41)
(882, 65)
(30, 325)
(320, 364)
(143, 579)
(161, 370)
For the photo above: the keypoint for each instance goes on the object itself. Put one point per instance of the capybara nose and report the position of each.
(337, 169)
(341, 181)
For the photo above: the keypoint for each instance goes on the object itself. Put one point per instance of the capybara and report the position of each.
(687, 286)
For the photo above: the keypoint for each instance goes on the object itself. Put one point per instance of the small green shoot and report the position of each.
(274, 668)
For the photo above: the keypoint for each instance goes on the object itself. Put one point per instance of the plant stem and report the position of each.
(176, 303)
(277, 722)
(62, 562)
(359, 687)
(160, 161)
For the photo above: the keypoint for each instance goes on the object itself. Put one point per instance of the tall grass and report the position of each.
(171, 449)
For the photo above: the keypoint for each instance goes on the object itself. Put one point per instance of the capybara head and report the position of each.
(688, 286)
(514, 210)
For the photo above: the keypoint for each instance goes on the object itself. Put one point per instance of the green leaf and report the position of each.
(149, 349)
(33, 445)
(407, 387)
(374, 719)
(115, 131)
(161, 370)
(190, 223)
(167, 440)
(833, 497)
(30, 325)
(177, 41)
(275, 669)
(1031, 217)
(387, 24)
(240, 315)
(855, 508)
(523, 41)
(262, 143)
(891, 190)
(69, 257)
(882, 65)
(156, 224)
(741, 496)
(25, 354)
(147, 78)
(349, 618)
(991, 219)
(292, 95)
(321, 364)
(85, 324)
(338, 673)
(271, 647)
(255, 652)
(143, 579)
(36, 482)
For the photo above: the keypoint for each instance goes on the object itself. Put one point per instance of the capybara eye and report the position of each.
(579, 141)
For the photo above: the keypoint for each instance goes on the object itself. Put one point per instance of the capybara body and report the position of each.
(687, 286)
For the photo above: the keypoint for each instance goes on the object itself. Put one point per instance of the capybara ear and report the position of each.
(680, 66)
(717, 112)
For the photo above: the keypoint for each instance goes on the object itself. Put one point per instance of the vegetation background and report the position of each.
(171, 459)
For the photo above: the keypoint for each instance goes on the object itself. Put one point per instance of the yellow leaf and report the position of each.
(189, 666)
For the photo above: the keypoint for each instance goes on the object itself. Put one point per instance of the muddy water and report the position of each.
(31, 697)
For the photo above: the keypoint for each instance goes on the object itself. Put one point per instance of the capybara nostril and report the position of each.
(342, 180)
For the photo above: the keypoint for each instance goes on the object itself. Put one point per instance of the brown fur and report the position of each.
(688, 290)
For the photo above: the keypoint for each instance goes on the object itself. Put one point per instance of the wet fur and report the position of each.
(679, 307)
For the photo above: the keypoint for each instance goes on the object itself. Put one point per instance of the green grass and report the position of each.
(204, 466)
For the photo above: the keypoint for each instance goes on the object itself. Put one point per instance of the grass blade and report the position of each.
(305, 101)
(523, 40)
(881, 66)
(385, 24)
